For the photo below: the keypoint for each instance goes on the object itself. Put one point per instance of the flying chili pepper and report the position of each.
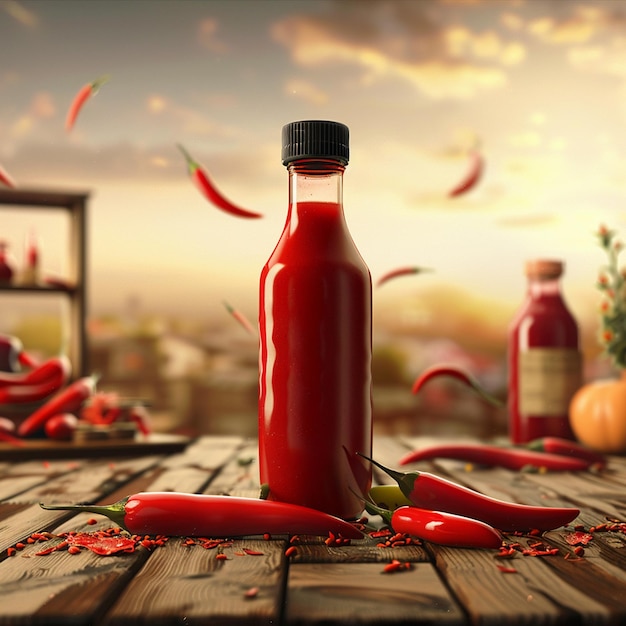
(5, 179)
(474, 174)
(428, 491)
(446, 529)
(567, 447)
(207, 188)
(400, 271)
(510, 458)
(199, 515)
(84, 93)
(241, 318)
(457, 373)
(68, 400)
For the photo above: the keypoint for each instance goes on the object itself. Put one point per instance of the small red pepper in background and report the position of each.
(55, 367)
(68, 400)
(200, 515)
(210, 192)
(457, 373)
(5, 179)
(566, 447)
(428, 491)
(61, 427)
(7, 430)
(510, 458)
(446, 529)
(241, 318)
(84, 93)
(400, 271)
(474, 174)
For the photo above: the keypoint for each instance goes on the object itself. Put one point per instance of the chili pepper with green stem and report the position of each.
(429, 491)
(446, 529)
(567, 447)
(84, 93)
(199, 515)
(457, 373)
(510, 458)
(209, 190)
(400, 271)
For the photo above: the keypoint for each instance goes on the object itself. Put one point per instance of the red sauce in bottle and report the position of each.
(545, 364)
(315, 340)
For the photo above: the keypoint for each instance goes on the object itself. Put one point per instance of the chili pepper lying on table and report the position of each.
(61, 426)
(446, 529)
(68, 400)
(209, 190)
(457, 373)
(428, 491)
(199, 515)
(510, 458)
(51, 368)
(567, 447)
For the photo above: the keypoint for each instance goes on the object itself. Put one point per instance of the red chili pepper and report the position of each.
(401, 271)
(199, 515)
(209, 191)
(7, 430)
(139, 414)
(51, 368)
(5, 179)
(457, 373)
(511, 458)
(68, 400)
(477, 165)
(24, 393)
(241, 318)
(433, 492)
(446, 529)
(61, 427)
(566, 447)
(85, 92)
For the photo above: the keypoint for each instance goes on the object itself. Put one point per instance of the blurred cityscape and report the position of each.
(202, 377)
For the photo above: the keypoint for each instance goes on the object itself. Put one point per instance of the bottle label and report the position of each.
(548, 378)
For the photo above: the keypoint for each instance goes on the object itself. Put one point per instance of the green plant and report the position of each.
(612, 284)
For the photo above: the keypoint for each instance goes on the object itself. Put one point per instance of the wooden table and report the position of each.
(182, 584)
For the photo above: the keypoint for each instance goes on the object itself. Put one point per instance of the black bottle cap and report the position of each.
(316, 138)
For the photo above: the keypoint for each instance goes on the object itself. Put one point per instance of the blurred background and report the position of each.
(537, 87)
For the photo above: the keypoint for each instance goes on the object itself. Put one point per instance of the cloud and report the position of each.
(581, 26)
(305, 91)
(206, 36)
(20, 13)
(402, 41)
(41, 107)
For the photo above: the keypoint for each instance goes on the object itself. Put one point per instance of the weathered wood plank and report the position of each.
(350, 593)
(189, 585)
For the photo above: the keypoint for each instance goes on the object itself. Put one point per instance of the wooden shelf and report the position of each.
(76, 204)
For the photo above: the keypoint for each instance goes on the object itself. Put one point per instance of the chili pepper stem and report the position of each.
(114, 512)
(373, 508)
(405, 480)
(192, 166)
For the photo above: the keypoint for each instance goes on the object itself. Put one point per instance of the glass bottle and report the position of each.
(6, 265)
(544, 360)
(315, 324)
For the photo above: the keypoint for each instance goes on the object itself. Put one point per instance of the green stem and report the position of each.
(192, 166)
(115, 512)
(405, 480)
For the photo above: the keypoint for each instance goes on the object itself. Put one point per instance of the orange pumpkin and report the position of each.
(597, 415)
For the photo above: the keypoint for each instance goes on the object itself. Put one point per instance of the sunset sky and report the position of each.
(538, 86)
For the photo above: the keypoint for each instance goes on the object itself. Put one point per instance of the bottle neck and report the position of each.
(315, 180)
(544, 287)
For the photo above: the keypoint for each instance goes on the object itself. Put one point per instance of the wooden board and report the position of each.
(43, 449)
